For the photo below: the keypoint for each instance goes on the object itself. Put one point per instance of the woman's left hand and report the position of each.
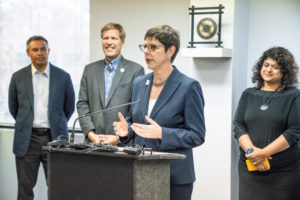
(262, 166)
(153, 130)
(258, 155)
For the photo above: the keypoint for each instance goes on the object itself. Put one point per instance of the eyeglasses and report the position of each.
(150, 47)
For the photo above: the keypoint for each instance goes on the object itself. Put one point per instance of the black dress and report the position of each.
(265, 115)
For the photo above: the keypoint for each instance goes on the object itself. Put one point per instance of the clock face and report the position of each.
(207, 28)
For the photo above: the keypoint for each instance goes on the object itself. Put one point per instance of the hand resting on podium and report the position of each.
(104, 139)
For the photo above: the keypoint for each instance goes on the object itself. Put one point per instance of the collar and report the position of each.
(113, 63)
(34, 70)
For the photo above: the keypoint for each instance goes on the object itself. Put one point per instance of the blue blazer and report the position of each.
(61, 105)
(179, 111)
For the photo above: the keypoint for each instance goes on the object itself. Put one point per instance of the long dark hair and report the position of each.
(287, 64)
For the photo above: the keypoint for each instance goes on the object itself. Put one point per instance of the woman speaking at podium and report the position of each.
(169, 117)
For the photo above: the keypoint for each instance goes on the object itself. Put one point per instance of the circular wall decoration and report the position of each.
(207, 28)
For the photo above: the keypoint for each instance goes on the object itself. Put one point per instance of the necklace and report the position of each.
(266, 101)
(159, 83)
(264, 107)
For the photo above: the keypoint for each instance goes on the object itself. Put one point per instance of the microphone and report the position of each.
(104, 110)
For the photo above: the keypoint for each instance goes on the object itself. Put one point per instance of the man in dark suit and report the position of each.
(104, 84)
(41, 100)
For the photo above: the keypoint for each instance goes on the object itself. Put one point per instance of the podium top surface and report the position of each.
(146, 156)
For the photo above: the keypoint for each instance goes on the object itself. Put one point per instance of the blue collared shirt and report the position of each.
(109, 76)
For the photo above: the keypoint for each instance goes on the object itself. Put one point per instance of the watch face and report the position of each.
(207, 28)
(250, 150)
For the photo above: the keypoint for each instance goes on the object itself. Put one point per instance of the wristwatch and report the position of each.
(248, 151)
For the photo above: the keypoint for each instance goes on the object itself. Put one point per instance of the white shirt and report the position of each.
(151, 105)
(40, 83)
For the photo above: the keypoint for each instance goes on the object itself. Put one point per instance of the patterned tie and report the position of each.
(108, 80)
(109, 68)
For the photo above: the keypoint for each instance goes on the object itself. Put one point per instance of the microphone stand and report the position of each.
(104, 110)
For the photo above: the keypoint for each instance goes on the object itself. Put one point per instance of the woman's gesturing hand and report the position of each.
(121, 127)
(153, 130)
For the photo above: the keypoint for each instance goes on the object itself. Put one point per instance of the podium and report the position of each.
(81, 175)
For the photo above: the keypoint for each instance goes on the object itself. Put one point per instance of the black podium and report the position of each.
(79, 175)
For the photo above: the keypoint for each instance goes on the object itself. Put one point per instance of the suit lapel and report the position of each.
(122, 67)
(52, 86)
(169, 89)
(146, 96)
(101, 81)
(29, 87)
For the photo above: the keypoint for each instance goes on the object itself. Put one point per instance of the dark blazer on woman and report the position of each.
(61, 105)
(179, 111)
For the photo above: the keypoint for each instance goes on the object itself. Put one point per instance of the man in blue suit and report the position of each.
(41, 100)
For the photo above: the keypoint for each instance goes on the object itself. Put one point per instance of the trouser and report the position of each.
(28, 165)
(181, 191)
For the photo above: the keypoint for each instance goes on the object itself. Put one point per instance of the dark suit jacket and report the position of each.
(91, 94)
(21, 106)
(179, 111)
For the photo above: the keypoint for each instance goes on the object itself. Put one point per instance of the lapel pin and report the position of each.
(122, 70)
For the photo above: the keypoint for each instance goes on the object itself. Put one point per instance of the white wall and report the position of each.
(273, 24)
(239, 77)
(213, 159)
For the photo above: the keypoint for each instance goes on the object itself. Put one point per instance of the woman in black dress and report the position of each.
(267, 126)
